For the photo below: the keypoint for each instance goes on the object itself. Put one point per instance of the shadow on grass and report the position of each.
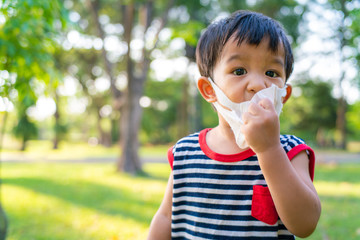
(104, 199)
(149, 176)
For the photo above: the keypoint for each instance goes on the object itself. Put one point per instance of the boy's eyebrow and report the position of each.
(279, 61)
(234, 57)
(276, 60)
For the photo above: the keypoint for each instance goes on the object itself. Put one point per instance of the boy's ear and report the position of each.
(206, 89)
(288, 93)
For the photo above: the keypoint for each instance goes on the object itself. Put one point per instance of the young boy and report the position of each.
(241, 179)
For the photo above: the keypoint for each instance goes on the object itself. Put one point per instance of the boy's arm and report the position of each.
(160, 228)
(290, 185)
(291, 188)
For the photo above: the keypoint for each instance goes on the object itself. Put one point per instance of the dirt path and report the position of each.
(329, 157)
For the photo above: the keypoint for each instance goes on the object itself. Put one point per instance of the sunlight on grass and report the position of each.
(63, 220)
(70, 201)
(92, 201)
(338, 189)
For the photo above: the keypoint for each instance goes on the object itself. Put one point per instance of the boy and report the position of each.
(241, 179)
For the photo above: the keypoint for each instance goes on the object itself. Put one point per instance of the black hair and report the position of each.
(247, 26)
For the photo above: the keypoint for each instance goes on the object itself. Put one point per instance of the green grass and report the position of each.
(339, 189)
(80, 201)
(91, 201)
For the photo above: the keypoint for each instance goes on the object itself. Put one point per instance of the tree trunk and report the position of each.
(104, 136)
(131, 110)
(23, 144)
(341, 109)
(130, 124)
(341, 123)
(94, 6)
(57, 127)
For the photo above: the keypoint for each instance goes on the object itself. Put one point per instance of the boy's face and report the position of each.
(243, 70)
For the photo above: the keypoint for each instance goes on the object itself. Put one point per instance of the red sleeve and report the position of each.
(303, 147)
(171, 157)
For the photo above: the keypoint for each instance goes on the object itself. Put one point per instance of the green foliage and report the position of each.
(28, 32)
(289, 13)
(209, 114)
(159, 121)
(201, 13)
(189, 31)
(61, 129)
(353, 120)
(27, 38)
(30, 53)
(354, 40)
(313, 110)
(25, 129)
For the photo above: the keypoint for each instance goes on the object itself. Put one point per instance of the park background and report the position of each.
(94, 92)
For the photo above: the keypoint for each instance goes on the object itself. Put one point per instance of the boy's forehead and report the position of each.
(233, 49)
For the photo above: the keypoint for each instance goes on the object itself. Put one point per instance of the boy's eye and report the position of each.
(271, 74)
(239, 71)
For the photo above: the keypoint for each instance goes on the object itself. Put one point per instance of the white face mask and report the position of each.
(234, 116)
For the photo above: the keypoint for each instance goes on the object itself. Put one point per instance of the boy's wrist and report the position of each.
(269, 152)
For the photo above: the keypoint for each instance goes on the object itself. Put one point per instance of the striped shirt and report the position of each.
(218, 196)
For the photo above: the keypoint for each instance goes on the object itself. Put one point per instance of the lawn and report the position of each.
(91, 201)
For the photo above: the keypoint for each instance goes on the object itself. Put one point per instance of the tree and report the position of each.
(137, 73)
(189, 29)
(311, 112)
(138, 25)
(161, 108)
(27, 40)
(27, 30)
(146, 18)
(25, 129)
(344, 34)
(343, 42)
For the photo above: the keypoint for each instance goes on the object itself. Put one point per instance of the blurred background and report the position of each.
(94, 92)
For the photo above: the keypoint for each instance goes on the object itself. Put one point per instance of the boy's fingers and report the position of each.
(245, 117)
(266, 104)
(254, 108)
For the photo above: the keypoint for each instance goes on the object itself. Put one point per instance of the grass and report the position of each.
(91, 201)
(79, 201)
(339, 191)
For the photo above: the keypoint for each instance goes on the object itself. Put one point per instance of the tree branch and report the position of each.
(94, 6)
(163, 21)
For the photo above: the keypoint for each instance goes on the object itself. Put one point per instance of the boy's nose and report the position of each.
(256, 84)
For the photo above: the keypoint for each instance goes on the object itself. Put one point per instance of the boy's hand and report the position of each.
(261, 126)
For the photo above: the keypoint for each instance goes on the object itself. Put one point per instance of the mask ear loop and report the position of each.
(222, 102)
(221, 97)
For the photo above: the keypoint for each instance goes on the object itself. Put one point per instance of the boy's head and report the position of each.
(245, 27)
